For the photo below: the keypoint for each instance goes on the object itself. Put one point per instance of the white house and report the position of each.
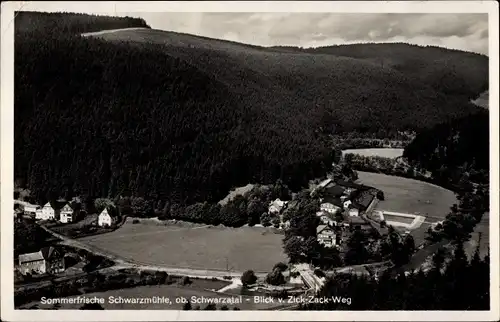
(326, 235)
(47, 212)
(329, 207)
(67, 214)
(105, 219)
(30, 209)
(353, 212)
(276, 206)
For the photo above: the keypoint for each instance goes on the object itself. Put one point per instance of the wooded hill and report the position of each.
(172, 116)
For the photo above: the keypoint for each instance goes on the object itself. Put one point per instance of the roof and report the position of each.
(320, 228)
(356, 220)
(363, 200)
(44, 253)
(106, 211)
(334, 201)
(56, 205)
(335, 191)
(350, 184)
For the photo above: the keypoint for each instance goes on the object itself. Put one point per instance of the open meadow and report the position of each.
(410, 196)
(201, 247)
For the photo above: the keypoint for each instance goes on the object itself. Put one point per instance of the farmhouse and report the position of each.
(67, 214)
(47, 260)
(326, 235)
(276, 206)
(105, 218)
(49, 211)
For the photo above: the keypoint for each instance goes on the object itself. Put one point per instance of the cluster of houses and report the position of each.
(342, 205)
(64, 212)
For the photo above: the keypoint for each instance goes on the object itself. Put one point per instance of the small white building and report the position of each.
(354, 212)
(47, 212)
(326, 235)
(105, 218)
(276, 206)
(30, 209)
(67, 214)
(347, 203)
(329, 207)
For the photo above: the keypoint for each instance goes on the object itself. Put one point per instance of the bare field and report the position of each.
(379, 152)
(404, 220)
(410, 196)
(204, 247)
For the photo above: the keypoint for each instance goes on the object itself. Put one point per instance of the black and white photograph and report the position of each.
(263, 159)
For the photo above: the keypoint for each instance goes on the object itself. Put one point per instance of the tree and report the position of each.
(248, 278)
(275, 277)
(265, 219)
(103, 203)
(356, 249)
(187, 306)
(281, 266)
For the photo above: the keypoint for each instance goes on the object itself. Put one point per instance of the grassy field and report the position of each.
(379, 152)
(220, 248)
(172, 292)
(410, 196)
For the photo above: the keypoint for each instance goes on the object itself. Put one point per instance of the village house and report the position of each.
(67, 214)
(105, 218)
(30, 209)
(325, 218)
(47, 260)
(49, 211)
(326, 235)
(276, 206)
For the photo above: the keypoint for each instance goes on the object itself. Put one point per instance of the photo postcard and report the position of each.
(277, 160)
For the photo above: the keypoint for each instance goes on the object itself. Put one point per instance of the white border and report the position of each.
(6, 161)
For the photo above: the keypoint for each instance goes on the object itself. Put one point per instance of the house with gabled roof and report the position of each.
(46, 260)
(106, 218)
(326, 235)
(67, 214)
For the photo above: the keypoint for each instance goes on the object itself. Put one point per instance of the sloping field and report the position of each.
(204, 247)
(382, 152)
(410, 196)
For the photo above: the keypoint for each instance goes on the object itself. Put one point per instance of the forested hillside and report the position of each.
(448, 71)
(45, 23)
(169, 116)
(454, 149)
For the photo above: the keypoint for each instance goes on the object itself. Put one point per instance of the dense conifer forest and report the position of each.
(454, 151)
(168, 121)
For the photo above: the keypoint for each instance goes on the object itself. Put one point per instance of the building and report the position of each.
(276, 206)
(30, 209)
(329, 207)
(49, 211)
(353, 212)
(67, 214)
(46, 260)
(105, 218)
(326, 235)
